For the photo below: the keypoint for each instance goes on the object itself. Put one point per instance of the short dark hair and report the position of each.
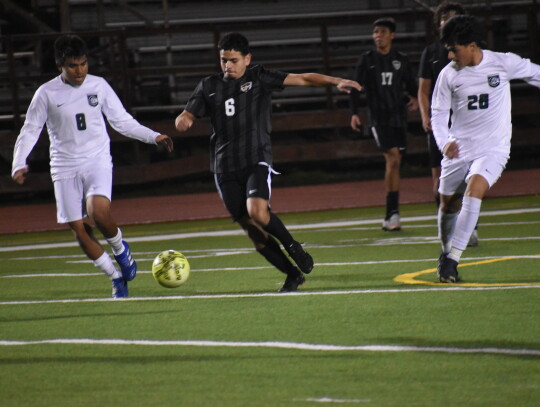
(234, 41)
(463, 30)
(69, 46)
(387, 22)
(446, 7)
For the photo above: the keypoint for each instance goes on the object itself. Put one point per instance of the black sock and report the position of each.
(275, 256)
(277, 229)
(392, 203)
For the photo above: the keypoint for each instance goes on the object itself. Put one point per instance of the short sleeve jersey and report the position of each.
(434, 58)
(75, 124)
(385, 79)
(479, 97)
(240, 111)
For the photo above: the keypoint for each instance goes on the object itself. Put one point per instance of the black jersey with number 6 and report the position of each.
(385, 78)
(241, 114)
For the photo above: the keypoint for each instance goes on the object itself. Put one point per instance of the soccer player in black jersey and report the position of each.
(434, 59)
(385, 74)
(239, 104)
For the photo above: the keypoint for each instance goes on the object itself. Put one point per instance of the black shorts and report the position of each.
(236, 187)
(388, 137)
(435, 156)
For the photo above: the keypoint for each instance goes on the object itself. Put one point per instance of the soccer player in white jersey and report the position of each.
(475, 85)
(72, 106)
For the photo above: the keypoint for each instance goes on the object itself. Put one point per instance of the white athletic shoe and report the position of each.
(473, 240)
(392, 224)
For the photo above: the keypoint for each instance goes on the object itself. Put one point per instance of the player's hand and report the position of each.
(356, 123)
(426, 124)
(451, 150)
(20, 175)
(413, 104)
(345, 85)
(165, 141)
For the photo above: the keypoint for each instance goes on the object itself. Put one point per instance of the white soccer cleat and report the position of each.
(473, 240)
(392, 224)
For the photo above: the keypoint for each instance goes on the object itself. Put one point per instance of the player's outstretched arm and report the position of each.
(184, 121)
(165, 141)
(315, 79)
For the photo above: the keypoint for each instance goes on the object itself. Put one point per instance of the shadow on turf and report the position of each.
(70, 316)
(402, 341)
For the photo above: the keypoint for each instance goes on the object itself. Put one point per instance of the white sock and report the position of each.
(466, 221)
(105, 264)
(446, 223)
(455, 254)
(116, 243)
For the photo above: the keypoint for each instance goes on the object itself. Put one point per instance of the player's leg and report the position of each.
(392, 142)
(259, 187)
(392, 180)
(232, 190)
(269, 248)
(69, 201)
(451, 188)
(435, 158)
(98, 187)
(468, 215)
(482, 174)
(447, 217)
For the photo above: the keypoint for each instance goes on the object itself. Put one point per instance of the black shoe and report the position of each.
(440, 262)
(302, 258)
(447, 270)
(292, 282)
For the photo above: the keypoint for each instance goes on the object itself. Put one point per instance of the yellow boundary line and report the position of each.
(410, 278)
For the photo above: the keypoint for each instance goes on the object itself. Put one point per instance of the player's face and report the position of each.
(74, 70)
(382, 37)
(462, 55)
(233, 63)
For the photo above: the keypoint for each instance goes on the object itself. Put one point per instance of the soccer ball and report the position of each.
(170, 268)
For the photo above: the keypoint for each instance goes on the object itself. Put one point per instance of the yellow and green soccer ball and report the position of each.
(170, 268)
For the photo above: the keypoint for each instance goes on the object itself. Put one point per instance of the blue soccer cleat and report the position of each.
(128, 266)
(119, 288)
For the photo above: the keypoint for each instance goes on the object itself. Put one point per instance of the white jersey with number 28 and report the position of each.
(479, 97)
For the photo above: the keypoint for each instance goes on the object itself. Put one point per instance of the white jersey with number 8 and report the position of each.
(75, 123)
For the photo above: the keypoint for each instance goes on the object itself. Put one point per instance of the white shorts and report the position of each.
(456, 173)
(71, 193)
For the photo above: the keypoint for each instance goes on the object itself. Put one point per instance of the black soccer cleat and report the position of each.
(447, 270)
(292, 282)
(302, 258)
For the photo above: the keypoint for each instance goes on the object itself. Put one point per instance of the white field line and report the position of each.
(337, 264)
(278, 345)
(333, 400)
(269, 295)
(207, 253)
(238, 232)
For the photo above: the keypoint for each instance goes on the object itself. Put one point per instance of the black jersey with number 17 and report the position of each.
(385, 78)
(241, 114)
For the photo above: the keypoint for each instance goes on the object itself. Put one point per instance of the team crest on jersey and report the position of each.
(396, 64)
(92, 100)
(494, 81)
(246, 86)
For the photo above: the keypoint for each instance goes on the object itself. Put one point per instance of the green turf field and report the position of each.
(370, 326)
